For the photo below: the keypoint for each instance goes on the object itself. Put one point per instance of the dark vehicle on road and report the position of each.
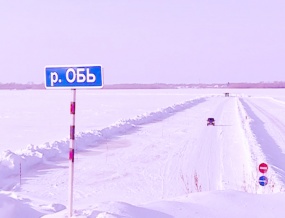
(211, 121)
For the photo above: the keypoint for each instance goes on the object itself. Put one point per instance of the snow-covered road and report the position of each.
(171, 153)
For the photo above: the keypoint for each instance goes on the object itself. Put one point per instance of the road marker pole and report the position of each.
(20, 174)
(71, 151)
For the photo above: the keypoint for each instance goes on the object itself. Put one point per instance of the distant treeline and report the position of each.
(156, 86)
(257, 85)
(214, 85)
(21, 86)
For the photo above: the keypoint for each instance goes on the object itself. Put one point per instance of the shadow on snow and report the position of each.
(270, 148)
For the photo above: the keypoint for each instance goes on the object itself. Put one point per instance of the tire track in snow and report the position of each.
(236, 167)
(200, 160)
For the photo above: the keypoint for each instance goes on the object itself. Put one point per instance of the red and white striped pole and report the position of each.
(71, 151)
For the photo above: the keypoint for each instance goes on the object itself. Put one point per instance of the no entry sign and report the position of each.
(263, 167)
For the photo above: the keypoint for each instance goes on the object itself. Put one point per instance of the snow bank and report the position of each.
(13, 164)
(11, 206)
(214, 204)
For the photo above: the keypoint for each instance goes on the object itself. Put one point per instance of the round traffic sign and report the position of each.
(263, 167)
(263, 180)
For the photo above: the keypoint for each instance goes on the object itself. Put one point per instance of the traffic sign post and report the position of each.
(73, 77)
(71, 152)
(263, 168)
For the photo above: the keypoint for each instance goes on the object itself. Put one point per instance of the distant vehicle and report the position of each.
(211, 121)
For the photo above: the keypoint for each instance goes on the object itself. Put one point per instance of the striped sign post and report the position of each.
(71, 151)
(263, 168)
(73, 77)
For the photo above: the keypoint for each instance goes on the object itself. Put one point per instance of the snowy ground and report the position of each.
(143, 153)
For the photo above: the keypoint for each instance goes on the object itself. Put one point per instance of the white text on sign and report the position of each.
(79, 75)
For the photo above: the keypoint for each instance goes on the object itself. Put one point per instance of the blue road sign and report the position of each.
(263, 180)
(86, 76)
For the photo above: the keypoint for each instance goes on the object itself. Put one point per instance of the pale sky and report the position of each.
(149, 41)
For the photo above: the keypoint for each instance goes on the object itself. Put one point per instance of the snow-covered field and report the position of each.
(143, 153)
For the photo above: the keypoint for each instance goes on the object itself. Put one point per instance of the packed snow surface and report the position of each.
(143, 153)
